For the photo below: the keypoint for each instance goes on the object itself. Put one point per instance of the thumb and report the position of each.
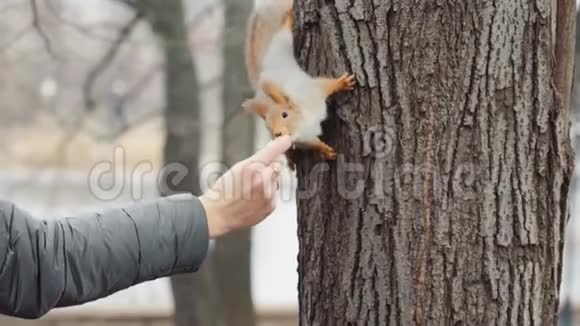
(273, 149)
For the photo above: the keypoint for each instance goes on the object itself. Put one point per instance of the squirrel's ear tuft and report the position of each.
(275, 92)
(256, 106)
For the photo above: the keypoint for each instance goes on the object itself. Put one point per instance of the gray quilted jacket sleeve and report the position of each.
(57, 263)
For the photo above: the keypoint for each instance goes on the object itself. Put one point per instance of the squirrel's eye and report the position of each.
(284, 115)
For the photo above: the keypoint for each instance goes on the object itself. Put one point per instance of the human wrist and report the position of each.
(216, 221)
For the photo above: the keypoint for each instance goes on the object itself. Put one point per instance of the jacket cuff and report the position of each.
(177, 241)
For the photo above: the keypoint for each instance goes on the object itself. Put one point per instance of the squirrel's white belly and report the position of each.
(307, 131)
(312, 109)
(308, 97)
(306, 93)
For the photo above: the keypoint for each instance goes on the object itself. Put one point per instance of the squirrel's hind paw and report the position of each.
(329, 153)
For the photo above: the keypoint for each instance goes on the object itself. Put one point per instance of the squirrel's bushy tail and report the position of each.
(266, 19)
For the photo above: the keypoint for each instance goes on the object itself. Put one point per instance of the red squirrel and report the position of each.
(290, 101)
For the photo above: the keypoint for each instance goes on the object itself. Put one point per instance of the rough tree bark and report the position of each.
(195, 300)
(447, 204)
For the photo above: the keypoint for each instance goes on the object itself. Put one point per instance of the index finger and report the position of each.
(273, 149)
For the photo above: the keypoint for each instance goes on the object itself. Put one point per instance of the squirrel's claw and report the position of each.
(328, 153)
(348, 81)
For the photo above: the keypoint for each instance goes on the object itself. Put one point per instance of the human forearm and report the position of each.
(75, 260)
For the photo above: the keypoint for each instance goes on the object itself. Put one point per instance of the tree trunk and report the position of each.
(232, 256)
(447, 204)
(195, 299)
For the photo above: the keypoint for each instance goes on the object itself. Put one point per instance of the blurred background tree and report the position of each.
(232, 255)
(111, 91)
(220, 293)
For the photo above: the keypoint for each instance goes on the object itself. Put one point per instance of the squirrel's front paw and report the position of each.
(347, 81)
(328, 153)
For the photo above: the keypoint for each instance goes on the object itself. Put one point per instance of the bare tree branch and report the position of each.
(136, 90)
(134, 93)
(85, 30)
(88, 31)
(106, 60)
(40, 30)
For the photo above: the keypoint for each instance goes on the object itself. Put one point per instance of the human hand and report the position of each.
(246, 194)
